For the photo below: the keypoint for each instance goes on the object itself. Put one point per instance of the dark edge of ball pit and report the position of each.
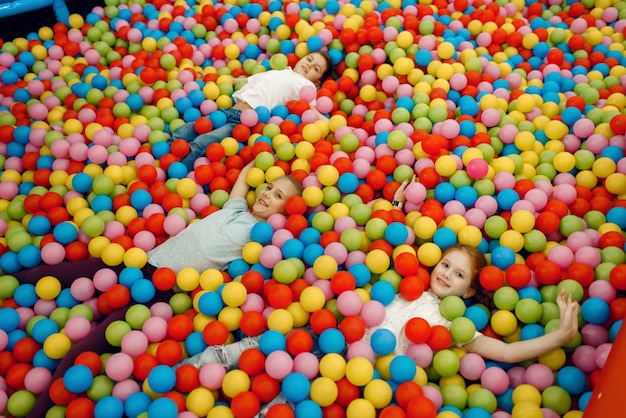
(21, 25)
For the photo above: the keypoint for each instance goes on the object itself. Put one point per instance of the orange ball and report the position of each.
(117, 296)
(411, 287)
(417, 330)
(169, 352)
(79, 408)
(245, 404)
(295, 205)
(59, 394)
(407, 391)
(299, 341)
(252, 361)
(180, 148)
(252, 323)
(265, 387)
(280, 411)
(187, 378)
(164, 278)
(215, 333)
(440, 338)
(491, 278)
(179, 327)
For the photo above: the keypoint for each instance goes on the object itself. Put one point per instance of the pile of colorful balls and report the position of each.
(510, 114)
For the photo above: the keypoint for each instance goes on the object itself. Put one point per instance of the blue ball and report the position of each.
(43, 328)
(29, 256)
(310, 235)
(77, 378)
(129, 276)
(331, 340)
(444, 192)
(217, 118)
(314, 43)
(361, 273)
(163, 408)
(140, 198)
(467, 195)
(40, 359)
(210, 303)
(531, 331)
(383, 342)
(312, 252)
(262, 232)
(25, 295)
(136, 404)
(109, 407)
(506, 198)
(134, 101)
(161, 378)
(82, 182)
(65, 299)
(383, 292)
(272, 340)
(39, 225)
(502, 257)
(402, 369)
(65, 232)
(444, 237)
(348, 183)
(292, 248)
(142, 291)
(9, 319)
(617, 215)
(308, 409)
(396, 233)
(194, 343)
(476, 412)
(478, 316)
(177, 170)
(595, 311)
(530, 292)
(572, 380)
(296, 387)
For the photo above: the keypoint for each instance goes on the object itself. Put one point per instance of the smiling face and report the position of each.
(272, 199)
(453, 275)
(312, 66)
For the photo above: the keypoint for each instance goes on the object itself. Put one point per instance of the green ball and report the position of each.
(264, 160)
(403, 172)
(20, 403)
(15, 208)
(613, 255)
(495, 226)
(285, 272)
(81, 310)
(116, 331)
(219, 197)
(300, 267)
(557, 399)
(535, 241)
(460, 178)
(278, 61)
(570, 224)
(137, 315)
(351, 200)
(400, 115)
(446, 363)
(594, 219)
(323, 222)
(603, 271)
(101, 387)
(483, 398)
(349, 142)
(8, 284)
(285, 151)
(454, 395)
(505, 298)
(549, 293)
(528, 311)
(19, 240)
(484, 187)
(452, 307)
(331, 195)
(571, 287)
(271, 130)
(426, 27)
(549, 312)
(351, 238)
(375, 229)
(180, 303)
(397, 139)
(361, 213)
(60, 316)
(462, 330)
(93, 226)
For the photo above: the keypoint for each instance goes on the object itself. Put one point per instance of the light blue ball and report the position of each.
(161, 378)
(331, 340)
(77, 378)
(402, 369)
(296, 387)
(271, 341)
(396, 233)
(595, 311)
(383, 342)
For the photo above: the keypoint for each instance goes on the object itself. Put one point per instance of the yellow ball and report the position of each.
(186, 188)
(255, 177)
(311, 133)
(504, 322)
(359, 371)
(378, 393)
(251, 252)
(524, 141)
(445, 50)
(616, 183)
(404, 39)
(525, 103)
(526, 410)
(445, 165)
(512, 239)
(200, 401)
(76, 21)
(367, 93)
(234, 294)
(360, 408)
(97, 245)
(425, 227)
(113, 254)
(564, 162)
(377, 261)
(57, 345)
(526, 393)
(325, 266)
(305, 150)
(323, 391)
(603, 167)
(554, 359)
(135, 257)
(188, 279)
(280, 320)
(470, 235)
(48, 287)
(333, 366)
(312, 299)
(455, 222)
(429, 254)
(220, 411)
(235, 381)
(403, 65)
(313, 196)
(211, 279)
(231, 317)
(555, 129)
(522, 221)
(328, 175)
(232, 51)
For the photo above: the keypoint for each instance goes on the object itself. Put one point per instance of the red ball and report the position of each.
(59, 394)
(204, 174)
(491, 278)
(280, 410)
(253, 281)
(421, 407)
(392, 411)
(252, 361)
(299, 341)
(215, 333)
(321, 320)
(296, 223)
(179, 327)
(582, 273)
(265, 387)
(376, 179)
(407, 391)
(406, 263)
(440, 338)
(187, 378)
(215, 151)
(353, 328)
(169, 352)
(180, 148)
(16, 374)
(346, 392)
(518, 275)
(252, 323)
(612, 239)
(342, 281)
(24, 350)
(91, 360)
(548, 272)
(411, 287)
(295, 205)
(245, 404)
(618, 277)
(80, 408)
(417, 330)
(433, 209)
(164, 278)
(118, 296)
(143, 364)
(279, 295)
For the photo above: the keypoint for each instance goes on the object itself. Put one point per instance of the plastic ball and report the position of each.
(446, 363)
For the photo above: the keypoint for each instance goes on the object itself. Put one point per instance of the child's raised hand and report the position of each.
(569, 314)
(398, 196)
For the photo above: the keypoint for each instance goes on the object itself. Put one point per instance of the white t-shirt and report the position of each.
(212, 242)
(400, 310)
(273, 88)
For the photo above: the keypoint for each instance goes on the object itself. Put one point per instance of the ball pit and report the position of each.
(510, 114)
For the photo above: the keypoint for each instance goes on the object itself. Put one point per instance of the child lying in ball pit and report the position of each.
(210, 243)
(268, 89)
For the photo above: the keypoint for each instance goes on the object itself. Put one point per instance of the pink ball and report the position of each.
(477, 168)
(539, 375)
(578, 239)
(53, 253)
(337, 251)
(44, 307)
(104, 278)
(344, 222)
(495, 380)
(537, 197)
(584, 358)
(277, 221)
(602, 354)
(583, 128)
(211, 375)
(500, 414)
(119, 366)
(38, 380)
(77, 328)
(504, 180)
(253, 303)
(129, 147)
(490, 117)
(472, 366)
(307, 364)
(122, 390)
(594, 335)
(79, 151)
(38, 111)
(458, 81)
(361, 349)
(565, 192)
(602, 289)
(174, 223)
(415, 192)
(549, 413)
(561, 255)
(281, 236)
(373, 313)
(475, 217)
(349, 303)
(8, 190)
(4, 339)
(307, 94)
(144, 240)
(155, 328)
(589, 255)
(516, 376)
(324, 104)
(421, 354)
(278, 364)
(434, 394)
(82, 289)
(390, 84)
(134, 343)
(114, 229)
(270, 255)
(487, 204)
(361, 167)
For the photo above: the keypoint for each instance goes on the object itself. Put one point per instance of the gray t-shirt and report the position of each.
(212, 242)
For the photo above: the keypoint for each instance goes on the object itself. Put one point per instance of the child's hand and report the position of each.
(398, 196)
(569, 314)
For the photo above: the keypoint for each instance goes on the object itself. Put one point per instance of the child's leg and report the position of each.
(226, 355)
(186, 132)
(65, 272)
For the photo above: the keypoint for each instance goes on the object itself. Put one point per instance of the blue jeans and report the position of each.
(199, 143)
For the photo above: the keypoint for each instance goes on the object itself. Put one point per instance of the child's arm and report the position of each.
(240, 188)
(398, 196)
(498, 350)
(320, 115)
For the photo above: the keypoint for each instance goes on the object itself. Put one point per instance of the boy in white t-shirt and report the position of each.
(268, 89)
